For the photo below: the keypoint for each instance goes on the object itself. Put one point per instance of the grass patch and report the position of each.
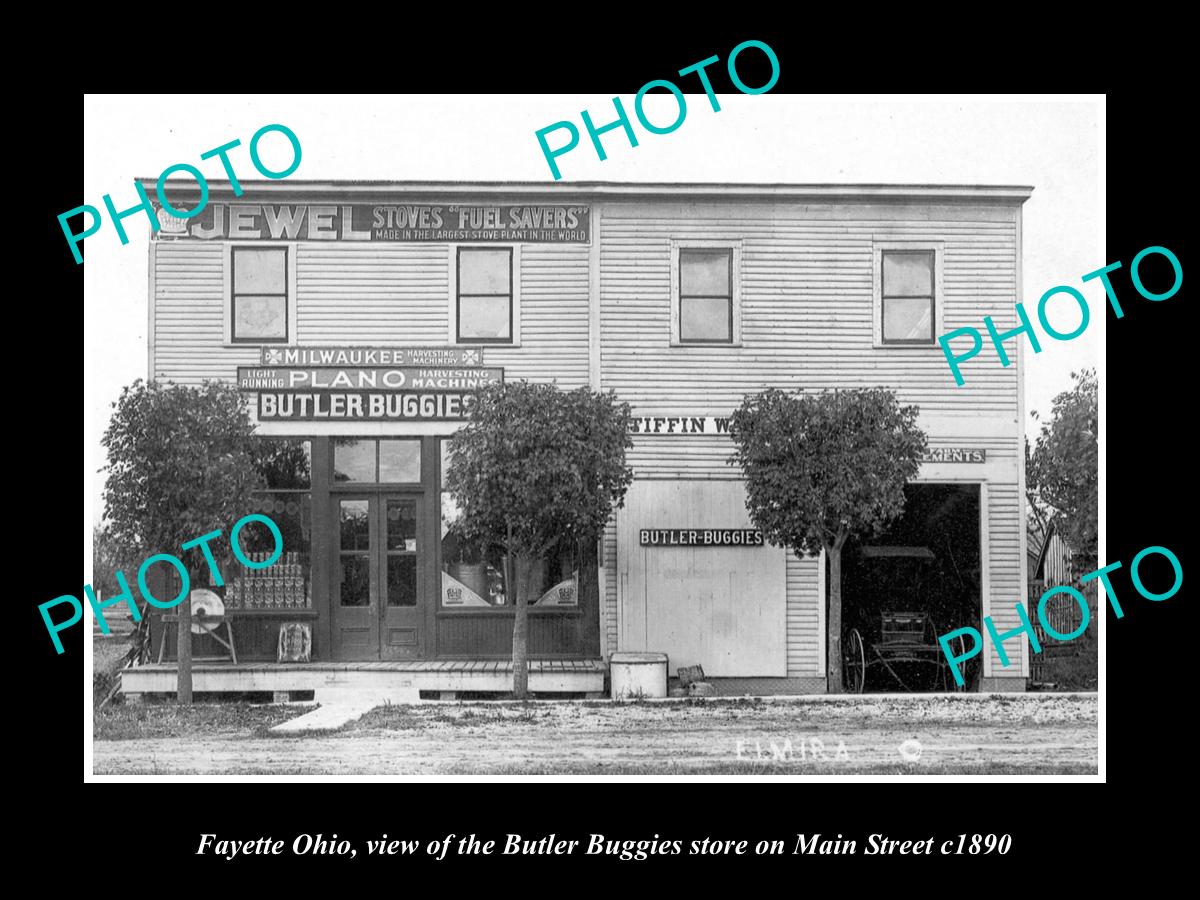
(130, 722)
(406, 718)
(107, 653)
(1079, 672)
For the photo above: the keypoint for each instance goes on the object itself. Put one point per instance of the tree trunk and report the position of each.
(834, 662)
(183, 686)
(520, 655)
(589, 591)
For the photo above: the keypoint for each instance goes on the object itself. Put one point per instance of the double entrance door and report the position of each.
(378, 591)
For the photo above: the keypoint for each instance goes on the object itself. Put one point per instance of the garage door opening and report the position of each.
(920, 579)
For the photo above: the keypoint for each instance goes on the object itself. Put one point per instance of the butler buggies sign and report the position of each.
(365, 405)
(700, 537)
(423, 384)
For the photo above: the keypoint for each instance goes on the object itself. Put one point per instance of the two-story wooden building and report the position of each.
(360, 317)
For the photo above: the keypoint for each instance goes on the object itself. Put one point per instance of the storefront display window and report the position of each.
(286, 466)
(474, 576)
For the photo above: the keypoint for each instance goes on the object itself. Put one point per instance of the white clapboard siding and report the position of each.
(1004, 568)
(807, 306)
(554, 318)
(609, 561)
(808, 322)
(804, 632)
(372, 293)
(720, 607)
(375, 294)
(189, 305)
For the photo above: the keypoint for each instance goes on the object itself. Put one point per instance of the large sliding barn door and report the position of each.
(721, 607)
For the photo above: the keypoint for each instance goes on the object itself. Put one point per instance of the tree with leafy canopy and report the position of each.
(822, 467)
(537, 467)
(181, 464)
(1063, 470)
(109, 557)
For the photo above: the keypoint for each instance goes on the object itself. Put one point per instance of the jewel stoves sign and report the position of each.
(407, 222)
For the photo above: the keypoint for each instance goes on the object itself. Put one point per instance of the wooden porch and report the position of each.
(399, 681)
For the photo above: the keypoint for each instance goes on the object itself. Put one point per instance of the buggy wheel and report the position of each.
(854, 662)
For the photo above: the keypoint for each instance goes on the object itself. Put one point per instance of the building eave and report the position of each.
(380, 191)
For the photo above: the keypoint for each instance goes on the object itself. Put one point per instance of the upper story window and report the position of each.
(706, 296)
(705, 306)
(259, 298)
(908, 287)
(484, 307)
(908, 299)
(260, 292)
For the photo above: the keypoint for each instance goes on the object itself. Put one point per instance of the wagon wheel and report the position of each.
(854, 662)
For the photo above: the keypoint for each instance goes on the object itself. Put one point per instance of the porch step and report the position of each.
(376, 695)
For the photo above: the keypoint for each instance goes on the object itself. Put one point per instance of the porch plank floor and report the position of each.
(399, 680)
(441, 665)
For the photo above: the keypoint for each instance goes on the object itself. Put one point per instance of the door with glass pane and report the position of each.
(377, 608)
(400, 581)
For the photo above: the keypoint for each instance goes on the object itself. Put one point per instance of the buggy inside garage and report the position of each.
(917, 580)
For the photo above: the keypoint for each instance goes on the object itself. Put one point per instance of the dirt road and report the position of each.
(1024, 733)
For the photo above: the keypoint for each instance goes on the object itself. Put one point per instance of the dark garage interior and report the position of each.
(917, 580)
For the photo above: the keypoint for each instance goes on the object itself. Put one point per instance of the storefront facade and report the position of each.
(359, 320)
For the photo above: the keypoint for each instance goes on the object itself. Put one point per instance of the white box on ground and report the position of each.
(638, 675)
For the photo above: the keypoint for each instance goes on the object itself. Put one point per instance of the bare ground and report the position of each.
(1017, 734)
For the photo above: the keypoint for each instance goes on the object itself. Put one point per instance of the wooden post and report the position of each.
(184, 674)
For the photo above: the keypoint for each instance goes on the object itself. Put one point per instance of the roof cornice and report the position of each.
(373, 191)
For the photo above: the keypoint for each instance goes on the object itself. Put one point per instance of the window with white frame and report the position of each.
(705, 306)
(259, 299)
(484, 308)
(908, 293)
(260, 293)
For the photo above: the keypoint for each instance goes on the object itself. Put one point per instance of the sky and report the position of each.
(1055, 145)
